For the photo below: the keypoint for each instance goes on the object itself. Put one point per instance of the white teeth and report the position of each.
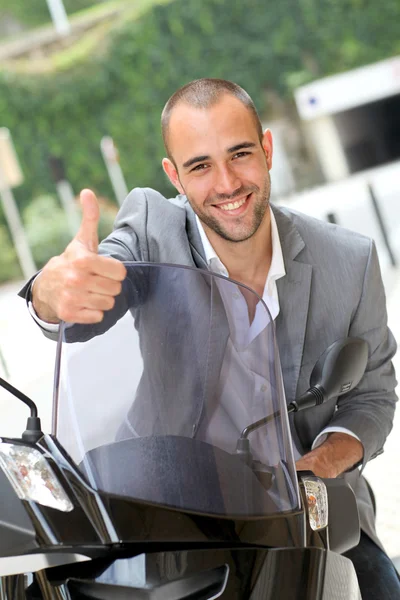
(233, 205)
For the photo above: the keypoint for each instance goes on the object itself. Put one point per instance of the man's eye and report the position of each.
(241, 154)
(200, 167)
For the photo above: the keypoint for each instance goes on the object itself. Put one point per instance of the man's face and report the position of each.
(221, 165)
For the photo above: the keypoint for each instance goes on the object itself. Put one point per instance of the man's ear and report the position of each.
(172, 174)
(268, 146)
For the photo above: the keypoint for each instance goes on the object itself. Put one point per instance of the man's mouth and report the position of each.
(235, 205)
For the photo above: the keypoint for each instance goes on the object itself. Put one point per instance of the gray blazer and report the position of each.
(332, 289)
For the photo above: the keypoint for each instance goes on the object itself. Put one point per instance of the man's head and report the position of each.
(218, 156)
(204, 93)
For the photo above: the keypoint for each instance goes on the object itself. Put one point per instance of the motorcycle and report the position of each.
(170, 470)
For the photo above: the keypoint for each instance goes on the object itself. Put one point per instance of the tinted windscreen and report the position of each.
(152, 401)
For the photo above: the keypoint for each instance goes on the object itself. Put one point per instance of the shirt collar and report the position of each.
(277, 267)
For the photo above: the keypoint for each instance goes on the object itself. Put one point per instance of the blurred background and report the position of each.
(82, 86)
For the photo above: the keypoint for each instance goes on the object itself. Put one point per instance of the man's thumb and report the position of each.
(87, 233)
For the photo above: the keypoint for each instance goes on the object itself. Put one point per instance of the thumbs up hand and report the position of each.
(79, 285)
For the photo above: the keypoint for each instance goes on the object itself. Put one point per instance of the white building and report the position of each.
(353, 118)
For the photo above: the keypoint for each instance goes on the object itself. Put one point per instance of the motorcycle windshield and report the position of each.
(153, 402)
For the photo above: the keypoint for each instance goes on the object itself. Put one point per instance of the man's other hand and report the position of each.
(339, 453)
(79, 285)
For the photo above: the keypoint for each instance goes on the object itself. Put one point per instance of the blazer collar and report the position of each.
(291, 241)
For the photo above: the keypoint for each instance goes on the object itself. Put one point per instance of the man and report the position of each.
(320, 282)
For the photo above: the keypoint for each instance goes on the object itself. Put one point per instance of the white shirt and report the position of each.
(245, 358)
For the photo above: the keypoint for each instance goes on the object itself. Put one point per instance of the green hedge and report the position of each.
(121, 91)
(9, 267)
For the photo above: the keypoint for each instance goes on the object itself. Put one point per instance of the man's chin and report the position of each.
(233, 235)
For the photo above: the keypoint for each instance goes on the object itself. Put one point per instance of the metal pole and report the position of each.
(110, 156)
(59, 17)
(16, 229)
(381, 223)
(67, 198)
(65, 192)
(4, 364)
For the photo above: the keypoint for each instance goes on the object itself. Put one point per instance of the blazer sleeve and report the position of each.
(368, 410)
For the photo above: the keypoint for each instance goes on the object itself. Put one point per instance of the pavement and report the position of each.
(30, 359)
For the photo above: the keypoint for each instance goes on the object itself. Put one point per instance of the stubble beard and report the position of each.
(261, 201)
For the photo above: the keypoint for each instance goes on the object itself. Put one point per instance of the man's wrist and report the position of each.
(339, 453)
(41, 308)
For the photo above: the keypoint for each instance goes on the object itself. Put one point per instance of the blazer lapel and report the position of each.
(294, 297)
(194, 238)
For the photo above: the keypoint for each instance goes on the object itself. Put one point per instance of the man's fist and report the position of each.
(79, 285)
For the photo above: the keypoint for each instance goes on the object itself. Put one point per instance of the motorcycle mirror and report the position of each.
(338, 371)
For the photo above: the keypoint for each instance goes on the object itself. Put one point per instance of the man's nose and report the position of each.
(226, 181)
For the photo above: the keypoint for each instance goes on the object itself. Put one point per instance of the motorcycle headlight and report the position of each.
(317, 502)
(32, 477)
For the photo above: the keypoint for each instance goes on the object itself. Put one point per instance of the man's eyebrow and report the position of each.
(194, 160)
(241, 146)
(234, 148)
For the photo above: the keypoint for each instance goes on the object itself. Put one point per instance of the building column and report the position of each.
(328, 148)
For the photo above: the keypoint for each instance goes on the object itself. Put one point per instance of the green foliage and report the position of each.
(120, 92)
(9, 267)
(46, 228)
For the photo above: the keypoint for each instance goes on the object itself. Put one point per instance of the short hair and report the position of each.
(204, 93)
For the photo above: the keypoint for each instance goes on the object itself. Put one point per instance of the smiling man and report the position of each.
(220, 160)
(320, 282)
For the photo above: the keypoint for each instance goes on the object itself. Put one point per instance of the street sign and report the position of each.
(11, 174)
